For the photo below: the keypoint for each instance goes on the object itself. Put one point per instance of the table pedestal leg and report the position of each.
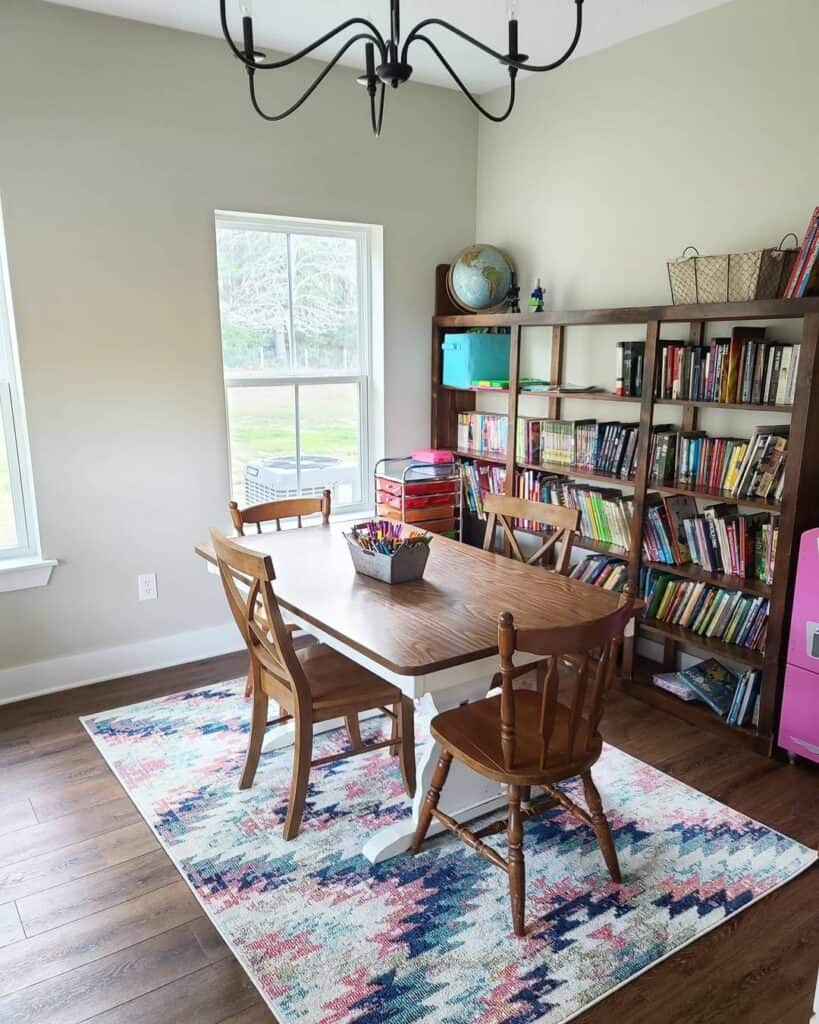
(466, 794)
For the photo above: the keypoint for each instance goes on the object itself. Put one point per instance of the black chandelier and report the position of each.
(393, 67)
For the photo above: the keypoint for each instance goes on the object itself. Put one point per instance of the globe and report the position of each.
(479, 278)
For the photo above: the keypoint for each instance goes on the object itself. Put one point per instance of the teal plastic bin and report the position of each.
(472, 356)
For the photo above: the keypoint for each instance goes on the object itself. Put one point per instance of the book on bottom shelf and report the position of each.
(734, 698)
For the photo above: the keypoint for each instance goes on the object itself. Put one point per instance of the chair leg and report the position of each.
(395, 748)
(302, 755)
(406, 730)
(439, 777)
(258, 724)
(249, 683)
(517, 864)
(353, 731)
(601, 826)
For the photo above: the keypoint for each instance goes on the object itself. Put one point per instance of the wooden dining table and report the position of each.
(436, 638)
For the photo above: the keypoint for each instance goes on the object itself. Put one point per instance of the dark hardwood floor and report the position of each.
(95, 924)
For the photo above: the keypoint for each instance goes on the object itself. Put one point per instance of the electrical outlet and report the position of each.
(146, 586)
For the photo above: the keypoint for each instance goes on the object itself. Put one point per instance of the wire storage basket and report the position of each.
(733, 277)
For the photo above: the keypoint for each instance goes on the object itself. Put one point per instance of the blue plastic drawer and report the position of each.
(473, 356)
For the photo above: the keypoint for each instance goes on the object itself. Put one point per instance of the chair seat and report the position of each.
(337, 683)
(472, 733)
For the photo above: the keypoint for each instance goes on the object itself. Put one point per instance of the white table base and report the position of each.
(466, 794)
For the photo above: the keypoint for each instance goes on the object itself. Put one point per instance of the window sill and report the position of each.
(25, 573)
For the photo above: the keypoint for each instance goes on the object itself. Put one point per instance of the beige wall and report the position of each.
(700, 133)
(117, 142)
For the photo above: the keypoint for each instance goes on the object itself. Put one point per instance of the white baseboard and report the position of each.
(55, 674)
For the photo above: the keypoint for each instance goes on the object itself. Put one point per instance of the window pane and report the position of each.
(8, 532)
(330, 441)
(262, 443)
(254, 300)
(325, 303)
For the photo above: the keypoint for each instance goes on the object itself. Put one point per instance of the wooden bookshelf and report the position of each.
(798, 511)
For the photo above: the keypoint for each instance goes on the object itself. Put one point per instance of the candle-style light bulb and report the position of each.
(512, 17)
(247, 30)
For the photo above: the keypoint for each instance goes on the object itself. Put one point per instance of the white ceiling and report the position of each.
(546, 26)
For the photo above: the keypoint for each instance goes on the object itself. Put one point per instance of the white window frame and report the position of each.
(368, 239)
(21, 566)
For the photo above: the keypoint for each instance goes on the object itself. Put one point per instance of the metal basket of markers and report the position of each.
(388, 551)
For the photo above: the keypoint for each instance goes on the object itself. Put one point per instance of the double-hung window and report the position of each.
(19, 540)
(294, 300)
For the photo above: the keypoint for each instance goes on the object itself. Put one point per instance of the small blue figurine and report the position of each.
(536, 298)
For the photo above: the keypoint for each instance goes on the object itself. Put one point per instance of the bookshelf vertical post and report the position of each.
(800, 502)
(556, 369)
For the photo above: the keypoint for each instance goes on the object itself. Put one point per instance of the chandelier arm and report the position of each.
(325, 71)
(497, 118)
(377, 38)
(378, 121)
(502, 57)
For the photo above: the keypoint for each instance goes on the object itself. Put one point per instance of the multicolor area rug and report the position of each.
(330, 939)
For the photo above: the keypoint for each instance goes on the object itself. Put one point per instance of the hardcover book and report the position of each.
(713, 683)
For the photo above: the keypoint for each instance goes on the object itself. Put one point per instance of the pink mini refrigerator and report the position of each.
(799, 723)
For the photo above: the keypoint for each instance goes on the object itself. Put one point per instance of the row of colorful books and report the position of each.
(704, 609)
(480, 478)
(628, 371)
(484, 433)
(744, 368)
(601, 571)
(804, 279)
(742, 468)
(742, 545)
(720, 539)
(605, 513)
(734, 698)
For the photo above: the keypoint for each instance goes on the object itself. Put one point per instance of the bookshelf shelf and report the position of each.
(797, 511)
(715, 495)
(742, 406)
(494, 459)
(611, 478)
(608, 396)
(717, 648)
(719, 579)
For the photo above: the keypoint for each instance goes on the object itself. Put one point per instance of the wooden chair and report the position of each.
(312, 686)
(275, 511)
(503, 509)
(523, 738)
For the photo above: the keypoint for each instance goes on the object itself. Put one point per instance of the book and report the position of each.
(678, 507)
(713, 683)
(801, 259)
(673, 682)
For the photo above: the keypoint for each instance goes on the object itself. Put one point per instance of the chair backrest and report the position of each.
(589, 650)
(503, 509)
(247, 577)
(275, 511)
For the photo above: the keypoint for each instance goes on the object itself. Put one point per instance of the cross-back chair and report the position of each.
(523, 738)
(503, 509)
(310, 686)
(275, 512)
